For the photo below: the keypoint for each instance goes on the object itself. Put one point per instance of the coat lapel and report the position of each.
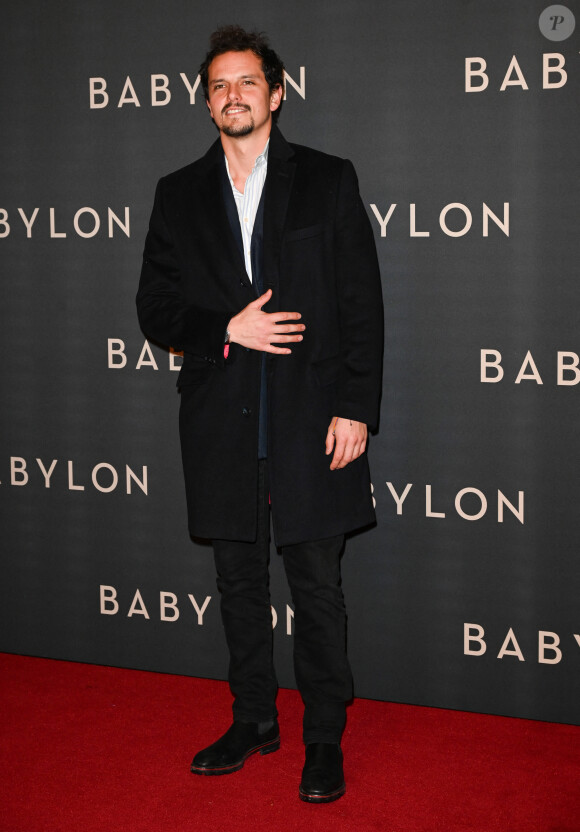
(278, 188)
(217, 212)
(231, 210)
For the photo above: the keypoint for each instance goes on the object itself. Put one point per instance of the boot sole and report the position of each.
(322, 798)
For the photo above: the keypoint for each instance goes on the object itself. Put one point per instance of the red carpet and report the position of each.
(89, 749)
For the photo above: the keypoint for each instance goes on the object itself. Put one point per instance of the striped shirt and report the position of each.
(247, 203)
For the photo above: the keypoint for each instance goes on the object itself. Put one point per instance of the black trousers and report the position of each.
(321, 666)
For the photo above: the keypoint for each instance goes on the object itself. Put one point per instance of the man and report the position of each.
(260, 265)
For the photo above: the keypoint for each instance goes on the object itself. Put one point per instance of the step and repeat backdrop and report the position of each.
(462, 120)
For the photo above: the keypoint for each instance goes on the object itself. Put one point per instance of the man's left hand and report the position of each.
(348, 438)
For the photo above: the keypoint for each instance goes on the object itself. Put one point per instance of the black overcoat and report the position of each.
(319, 259)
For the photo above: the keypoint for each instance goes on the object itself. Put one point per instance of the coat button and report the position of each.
(246, 411)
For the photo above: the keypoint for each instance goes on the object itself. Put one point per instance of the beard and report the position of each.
(237, 130)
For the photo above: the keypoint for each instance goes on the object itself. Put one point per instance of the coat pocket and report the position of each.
(192, 375)
(303, 233)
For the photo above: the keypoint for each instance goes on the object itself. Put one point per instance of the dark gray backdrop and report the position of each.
(383, 83)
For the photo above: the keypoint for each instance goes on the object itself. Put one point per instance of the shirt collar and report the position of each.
(261, 160)
(263, 157)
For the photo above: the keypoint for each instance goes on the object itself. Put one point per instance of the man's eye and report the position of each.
(248, 82)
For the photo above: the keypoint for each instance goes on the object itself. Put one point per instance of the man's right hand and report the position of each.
(256, 329)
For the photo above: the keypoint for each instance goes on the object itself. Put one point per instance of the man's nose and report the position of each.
(233, 94)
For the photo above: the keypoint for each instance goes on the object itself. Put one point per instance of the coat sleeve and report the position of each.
(360, 305)
(164, 314)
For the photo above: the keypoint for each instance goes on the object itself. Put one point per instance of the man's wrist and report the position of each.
(227, 341)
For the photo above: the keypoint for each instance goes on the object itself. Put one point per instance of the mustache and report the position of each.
(227, 107)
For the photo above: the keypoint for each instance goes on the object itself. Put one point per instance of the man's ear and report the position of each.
(276, 98)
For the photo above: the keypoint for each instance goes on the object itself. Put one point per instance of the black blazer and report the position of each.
(319, 259)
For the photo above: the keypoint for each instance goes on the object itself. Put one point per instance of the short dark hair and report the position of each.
(235, 39)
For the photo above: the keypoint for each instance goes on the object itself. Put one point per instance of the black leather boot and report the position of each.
(322, 777)
(232, 750)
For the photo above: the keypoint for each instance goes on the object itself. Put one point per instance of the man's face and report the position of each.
(240, 100)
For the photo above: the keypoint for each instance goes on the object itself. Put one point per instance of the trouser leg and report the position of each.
(323, 673)
(243, 582)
